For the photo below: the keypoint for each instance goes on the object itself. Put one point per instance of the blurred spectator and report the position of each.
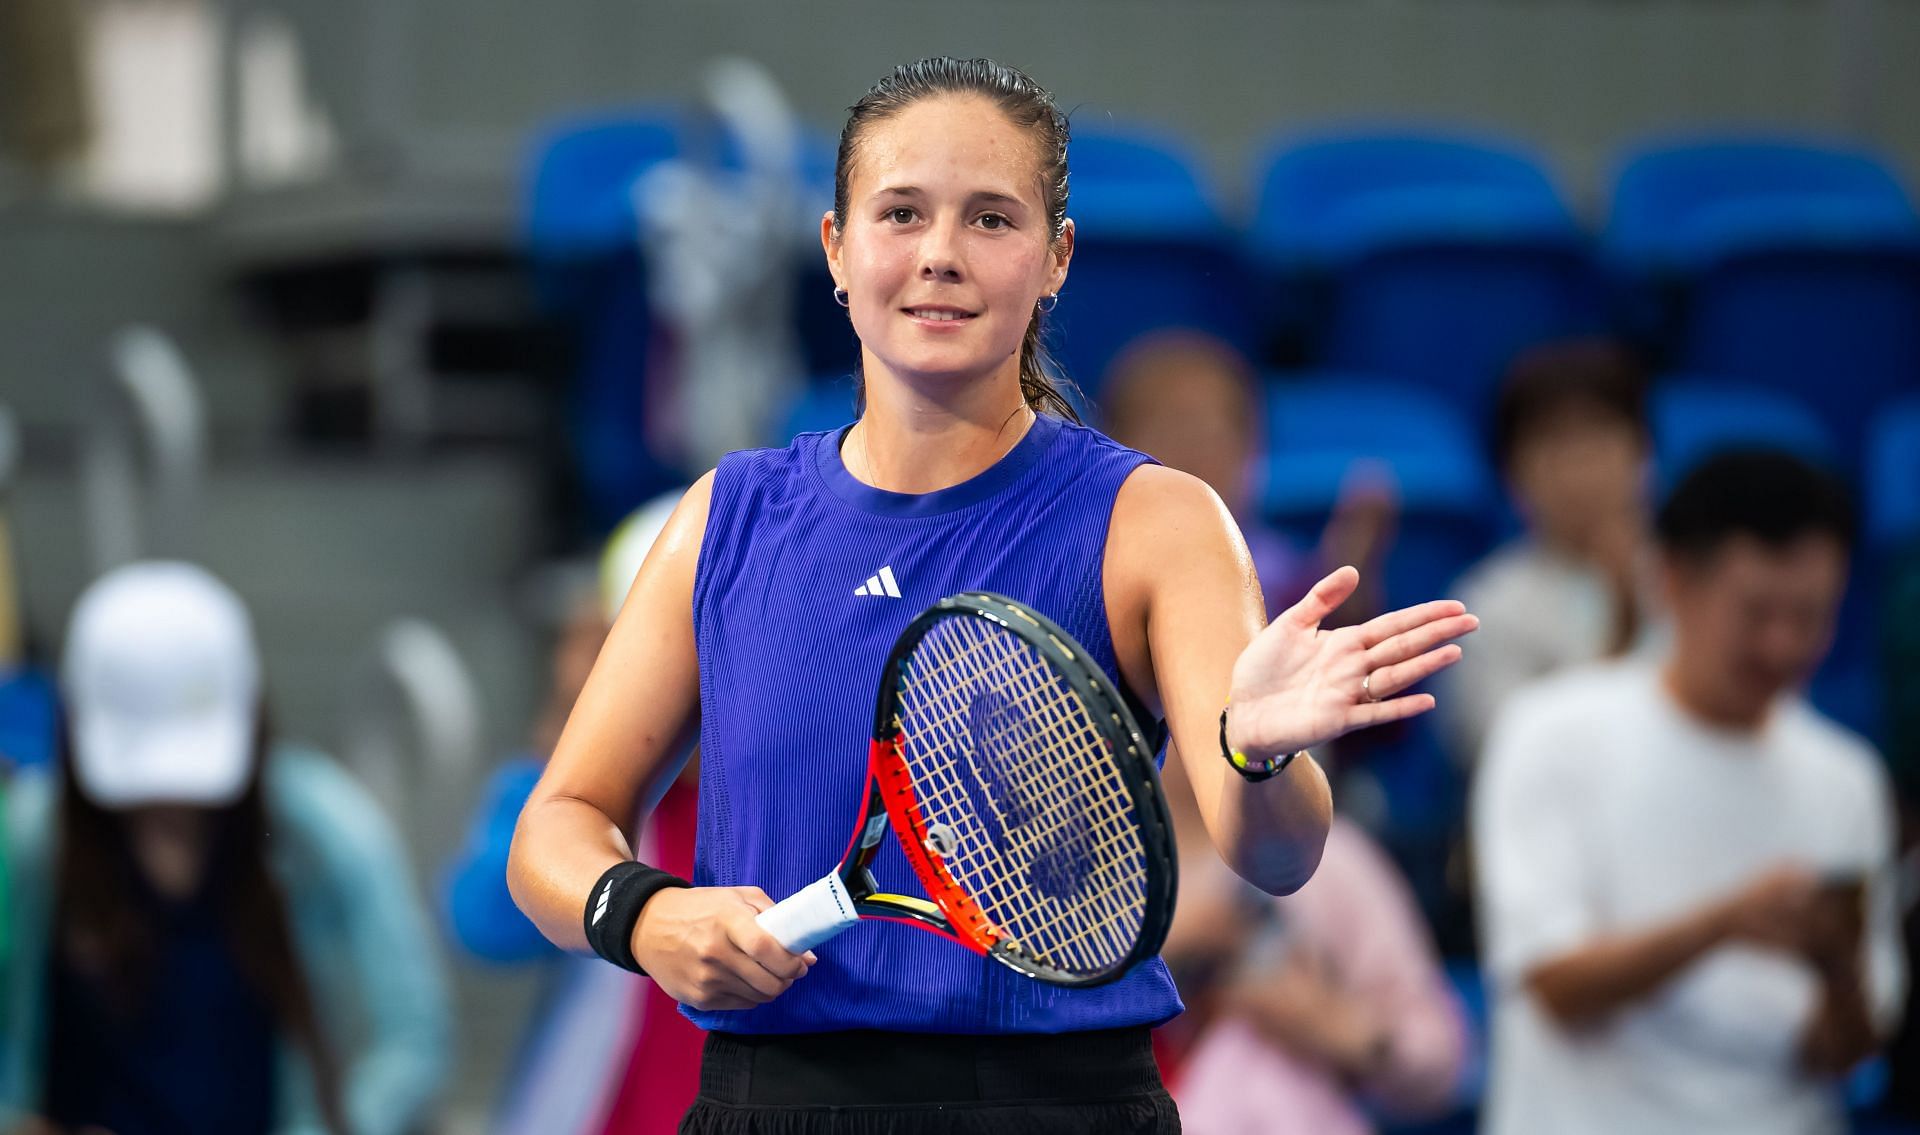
(1685, 872)
(1303, 1012)
(1313, 1012)
(211, 933)
(1191, 402)
(607, 1051)
(1570, 437)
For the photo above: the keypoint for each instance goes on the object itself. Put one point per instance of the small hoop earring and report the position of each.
(1048, 302)
(840, 296)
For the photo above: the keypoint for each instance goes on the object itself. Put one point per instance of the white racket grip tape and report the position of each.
(810, 916)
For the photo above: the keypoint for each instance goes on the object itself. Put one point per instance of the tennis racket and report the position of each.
(1023, 793)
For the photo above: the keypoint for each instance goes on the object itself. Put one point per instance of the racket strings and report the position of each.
(1069, 739)
(1058, 932)
(987, 720)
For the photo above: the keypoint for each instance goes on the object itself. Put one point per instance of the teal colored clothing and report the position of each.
(362, 935)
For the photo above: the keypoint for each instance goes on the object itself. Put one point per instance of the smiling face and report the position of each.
(946, 245)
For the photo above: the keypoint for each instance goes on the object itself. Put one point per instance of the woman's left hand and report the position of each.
(1297, 686)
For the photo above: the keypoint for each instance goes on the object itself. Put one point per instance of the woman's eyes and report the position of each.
(905, 215)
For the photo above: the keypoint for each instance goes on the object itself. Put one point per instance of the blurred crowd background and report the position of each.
(399, 317)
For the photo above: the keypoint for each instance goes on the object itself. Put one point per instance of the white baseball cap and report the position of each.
(163, 688)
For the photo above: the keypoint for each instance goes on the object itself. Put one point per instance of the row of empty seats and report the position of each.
(1429, 255)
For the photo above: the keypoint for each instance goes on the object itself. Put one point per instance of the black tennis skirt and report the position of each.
(885, 1083)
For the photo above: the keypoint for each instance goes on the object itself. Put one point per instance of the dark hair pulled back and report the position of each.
(1027, 105)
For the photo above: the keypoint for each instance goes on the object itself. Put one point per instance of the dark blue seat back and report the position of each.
(582, 235)
(1892, 477)
(1151, 252)
(1435, 257)
(1695, 417)
(1786, 263)
(1321, 426)
(578, 187)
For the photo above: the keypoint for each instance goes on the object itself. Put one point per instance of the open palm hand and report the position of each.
(1296, 686)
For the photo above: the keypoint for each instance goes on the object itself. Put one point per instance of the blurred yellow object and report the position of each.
(12, 637)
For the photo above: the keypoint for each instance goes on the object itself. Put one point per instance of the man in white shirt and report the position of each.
(1684, 871)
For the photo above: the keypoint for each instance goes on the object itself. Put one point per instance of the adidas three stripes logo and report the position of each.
(880, 583)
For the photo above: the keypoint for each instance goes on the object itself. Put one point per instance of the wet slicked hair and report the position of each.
(1027, 105)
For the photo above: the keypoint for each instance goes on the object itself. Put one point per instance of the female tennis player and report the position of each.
(767, 606)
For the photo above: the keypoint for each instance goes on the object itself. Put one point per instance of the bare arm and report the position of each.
(1615, 971)
(1189, 629)
(623, 739)
(1599, 977)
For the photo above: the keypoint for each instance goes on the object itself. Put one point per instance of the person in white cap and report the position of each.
(193, 906)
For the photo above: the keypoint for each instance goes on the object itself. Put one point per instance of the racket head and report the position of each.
(1024, 794)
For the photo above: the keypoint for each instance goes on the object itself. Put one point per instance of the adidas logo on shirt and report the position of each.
(880, 583)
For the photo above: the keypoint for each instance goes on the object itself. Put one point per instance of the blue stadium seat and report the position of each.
(1694, 418)
(29, 718)
(1789, 263)
(824, 403)
(579, 203)
(582, 236)
(1892, 477)
(1432, 256)
(1320, 425)
(1151, 252)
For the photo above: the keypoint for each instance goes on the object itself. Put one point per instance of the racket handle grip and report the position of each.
(810, 916)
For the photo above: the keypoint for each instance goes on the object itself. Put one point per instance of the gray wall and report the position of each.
(1577, 77)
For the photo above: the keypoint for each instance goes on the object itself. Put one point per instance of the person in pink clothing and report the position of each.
(1312, 1012)
(1318, 1011)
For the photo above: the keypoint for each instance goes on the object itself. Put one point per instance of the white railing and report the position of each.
(411, 719)
(143, 453)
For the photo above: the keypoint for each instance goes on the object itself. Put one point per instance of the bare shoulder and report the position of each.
(1164, 519)
(681, 537)
(664, 583)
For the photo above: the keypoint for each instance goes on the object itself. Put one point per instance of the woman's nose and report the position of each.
(940, 254)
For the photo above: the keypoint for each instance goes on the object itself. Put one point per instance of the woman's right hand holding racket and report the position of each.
(703, 947)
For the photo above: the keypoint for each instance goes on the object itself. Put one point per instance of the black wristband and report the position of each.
(613, 907)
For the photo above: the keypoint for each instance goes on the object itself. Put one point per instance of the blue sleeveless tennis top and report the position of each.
(806, 576)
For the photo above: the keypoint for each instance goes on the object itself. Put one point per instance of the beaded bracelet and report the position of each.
(1246, 766)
